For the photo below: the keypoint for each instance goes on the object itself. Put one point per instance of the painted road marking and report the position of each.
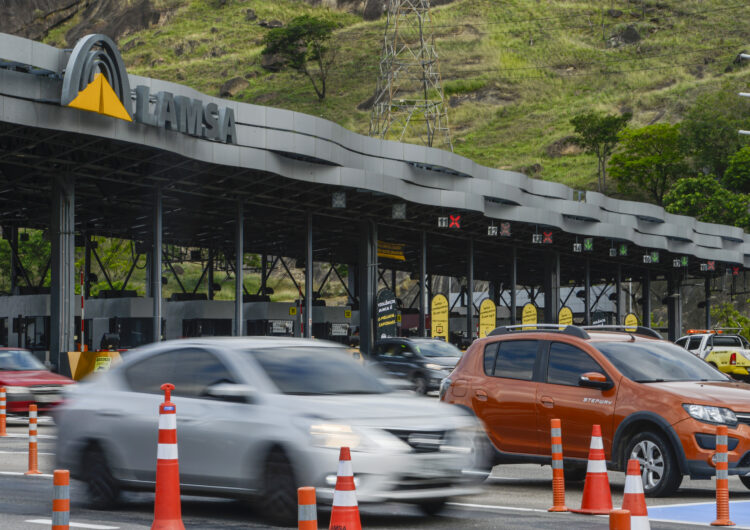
(22, 474)
(48, 522)
(700, 513)
(493, 507)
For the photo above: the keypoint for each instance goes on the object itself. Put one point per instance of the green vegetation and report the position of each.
(515, 72)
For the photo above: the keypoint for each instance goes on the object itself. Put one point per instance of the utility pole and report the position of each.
(409, 98)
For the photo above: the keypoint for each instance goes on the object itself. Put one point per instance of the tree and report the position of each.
(304, 44)
(651, 160)
(737, 175)
(597, 133)
(705, 199)
(726, 315)
(710, 129)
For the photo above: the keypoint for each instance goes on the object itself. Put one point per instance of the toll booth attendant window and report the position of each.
(516, 359)
(567, 363)
(37, 333)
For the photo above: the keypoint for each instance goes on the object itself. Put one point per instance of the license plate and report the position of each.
(47, 398)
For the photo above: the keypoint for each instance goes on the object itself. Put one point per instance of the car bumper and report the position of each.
(402, 477)
(20, 405)
(698, 442)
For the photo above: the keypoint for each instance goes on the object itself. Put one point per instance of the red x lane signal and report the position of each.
(547, 239)
(455, 221)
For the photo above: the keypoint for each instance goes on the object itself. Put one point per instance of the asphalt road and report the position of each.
(515, 497)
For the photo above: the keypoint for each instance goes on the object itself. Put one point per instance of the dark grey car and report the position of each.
(423, 362)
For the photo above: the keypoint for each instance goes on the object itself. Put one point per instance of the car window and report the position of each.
(681, 342)
(19, 360)
(316, 371)
(392, 349)
(490, 355)
(436, 348)
(727, 342)
(190, 370)
(656, 361)
(694, 343)
(515, 359)
(567, 363)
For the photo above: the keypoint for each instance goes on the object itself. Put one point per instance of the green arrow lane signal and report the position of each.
(588, 244)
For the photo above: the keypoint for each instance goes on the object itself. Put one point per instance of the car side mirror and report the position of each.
(595, 380)
(237, 393)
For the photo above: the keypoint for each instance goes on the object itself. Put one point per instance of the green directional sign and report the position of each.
(654, 257)
(623, 250)
(588, 244)
(684, 261)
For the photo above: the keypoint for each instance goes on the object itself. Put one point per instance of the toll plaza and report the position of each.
(87, 149)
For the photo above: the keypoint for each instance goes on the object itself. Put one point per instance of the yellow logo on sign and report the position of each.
(348, 313)
(631, 323)
(99, 97)
(292, 311)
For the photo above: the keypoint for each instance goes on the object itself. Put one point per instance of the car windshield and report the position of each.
(654, 361)
(436, 348)
(726, 341)
(19, 360)
(316, 371)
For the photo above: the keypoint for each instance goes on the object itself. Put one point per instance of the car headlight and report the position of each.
(335, 436)
(433, 366)
(711, 414)
(17, 390)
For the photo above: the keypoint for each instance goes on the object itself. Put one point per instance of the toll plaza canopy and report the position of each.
(86, 148)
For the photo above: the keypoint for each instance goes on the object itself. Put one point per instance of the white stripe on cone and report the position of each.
(634, 484)
(639, 522)
(596, 443)
(345, 468)
(166, 452)
(596, 466)
(344, 498)
(167, 422)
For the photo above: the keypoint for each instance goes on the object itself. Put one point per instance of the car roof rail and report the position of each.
(638, 330)
(575, 331)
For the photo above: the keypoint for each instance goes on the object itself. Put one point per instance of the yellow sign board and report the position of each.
(439, 317)
(487, 317)
(631, 322)
(347, 313)
(391, 250)
(85, 363)
(529, 315)
(565, 317)
(292, 311)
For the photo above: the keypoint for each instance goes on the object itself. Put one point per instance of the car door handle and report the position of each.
(548, 402)
(110, 413)
(481, 395)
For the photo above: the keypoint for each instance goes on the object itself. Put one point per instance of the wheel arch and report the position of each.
(646, 421)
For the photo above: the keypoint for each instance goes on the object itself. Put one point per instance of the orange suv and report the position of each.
(654, 401)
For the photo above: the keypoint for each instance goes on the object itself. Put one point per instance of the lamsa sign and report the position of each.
(95, 80)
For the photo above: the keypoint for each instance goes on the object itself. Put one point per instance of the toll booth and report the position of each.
(197, 316)
(25, 323)
(332, 323)
(129, 318)
(266, 318)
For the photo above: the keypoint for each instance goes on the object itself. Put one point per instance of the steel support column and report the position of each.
(156, 264)
(551, 287)
(239, 253)
(707, 288)
(87, 265)
(513, 282)
(587, 293)
(62, 253)
(618, 292)
(210, 275)
(674, 308)
(309, 276)
(367, 273)
(422, 332)
(470, 292)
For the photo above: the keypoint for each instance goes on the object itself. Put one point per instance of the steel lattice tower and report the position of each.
(409, 99)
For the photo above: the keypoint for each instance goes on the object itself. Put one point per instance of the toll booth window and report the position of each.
(567, 363)
(516, 359)
(36, 336)
(3, 332)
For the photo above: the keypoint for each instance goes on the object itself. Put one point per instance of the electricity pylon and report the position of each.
(409, 99)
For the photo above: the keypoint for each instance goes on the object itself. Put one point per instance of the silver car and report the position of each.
(259, 417)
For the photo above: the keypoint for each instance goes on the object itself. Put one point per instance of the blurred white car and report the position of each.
(259, 417)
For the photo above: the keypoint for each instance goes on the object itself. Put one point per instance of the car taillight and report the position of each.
(733, 359)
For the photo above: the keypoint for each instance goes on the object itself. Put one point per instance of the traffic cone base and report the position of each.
(597, 498)
(345, 512)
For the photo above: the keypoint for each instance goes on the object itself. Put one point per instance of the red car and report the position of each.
(27, 380)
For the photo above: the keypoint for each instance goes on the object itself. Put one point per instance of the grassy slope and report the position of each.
(522, 68)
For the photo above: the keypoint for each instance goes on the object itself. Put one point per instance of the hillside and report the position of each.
(514, 71)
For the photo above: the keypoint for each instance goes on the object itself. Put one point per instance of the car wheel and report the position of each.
(661, 476)
(433, 507)
(420, 385)
(103, 490)
(279, 498)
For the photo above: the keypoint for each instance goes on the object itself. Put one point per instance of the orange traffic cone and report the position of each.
(597, 499)
(345, 512)
(33, 461)
(307, 511)
(167, 509)
(634, 500)
(722, 479)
